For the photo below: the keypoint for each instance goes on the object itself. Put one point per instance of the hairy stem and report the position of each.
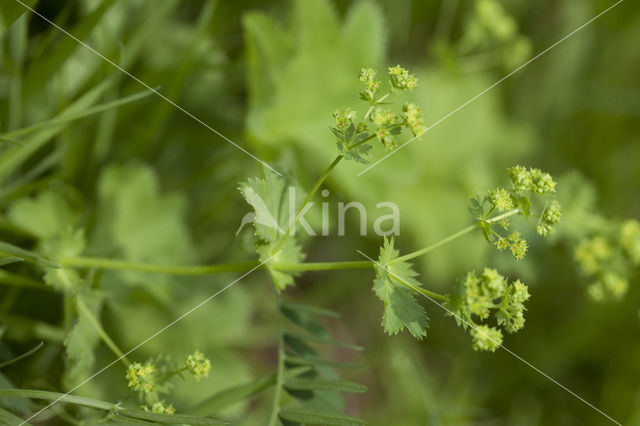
(123, 265)
(306, 201)
(84, 309)
(323, 266)
(453, 236)
(275, 408)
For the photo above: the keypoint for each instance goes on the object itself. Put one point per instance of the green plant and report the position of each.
(479, 303)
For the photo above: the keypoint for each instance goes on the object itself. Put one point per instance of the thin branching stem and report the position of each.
(453, 236)
(84, 310)
(306, 201)
(275, 408)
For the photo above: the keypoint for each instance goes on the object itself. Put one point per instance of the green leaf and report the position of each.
(319, 362)
(45, 215)
(316, 417)
(322, 54)
(400, 308)
(309, 309)
(66, 245)
(135, 211)
(320, 340)
(320, 384)
(305, 320)
(82, 340)
(274, 204)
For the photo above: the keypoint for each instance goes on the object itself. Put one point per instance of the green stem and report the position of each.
(275, 408)
(123, 265)
(423, 291)
(306, 201)
(452, 237)
(323, 266)
(84, 309)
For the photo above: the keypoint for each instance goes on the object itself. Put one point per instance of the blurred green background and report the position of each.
(148, 183)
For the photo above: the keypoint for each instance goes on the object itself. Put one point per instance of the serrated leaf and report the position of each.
(274, 204)
(316, 417)
(269, 198)
(400, 308)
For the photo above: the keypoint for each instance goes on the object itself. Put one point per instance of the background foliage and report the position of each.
(147, 183)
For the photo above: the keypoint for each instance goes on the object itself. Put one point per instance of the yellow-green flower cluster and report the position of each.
(414, 118)
(401, 78)
(198, 365)
(343, 118)
(533, 180)
(486, 338)
(383, 117)
(630, 240)
(515, 243)
(160, 407)
(478, 296)
(141, 377)
(593, 254)
(368, 77)
(500, 199)
(608, 259)
(609, 285)
(385, 137)
(549, 219)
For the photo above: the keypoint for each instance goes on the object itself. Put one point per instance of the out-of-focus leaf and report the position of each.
(12, 10)
(316, 417)
(82, 340)
(145, 225)
(44, 215)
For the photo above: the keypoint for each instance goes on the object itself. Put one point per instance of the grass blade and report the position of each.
(108, 406)
(64, 119)
(6, 248)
